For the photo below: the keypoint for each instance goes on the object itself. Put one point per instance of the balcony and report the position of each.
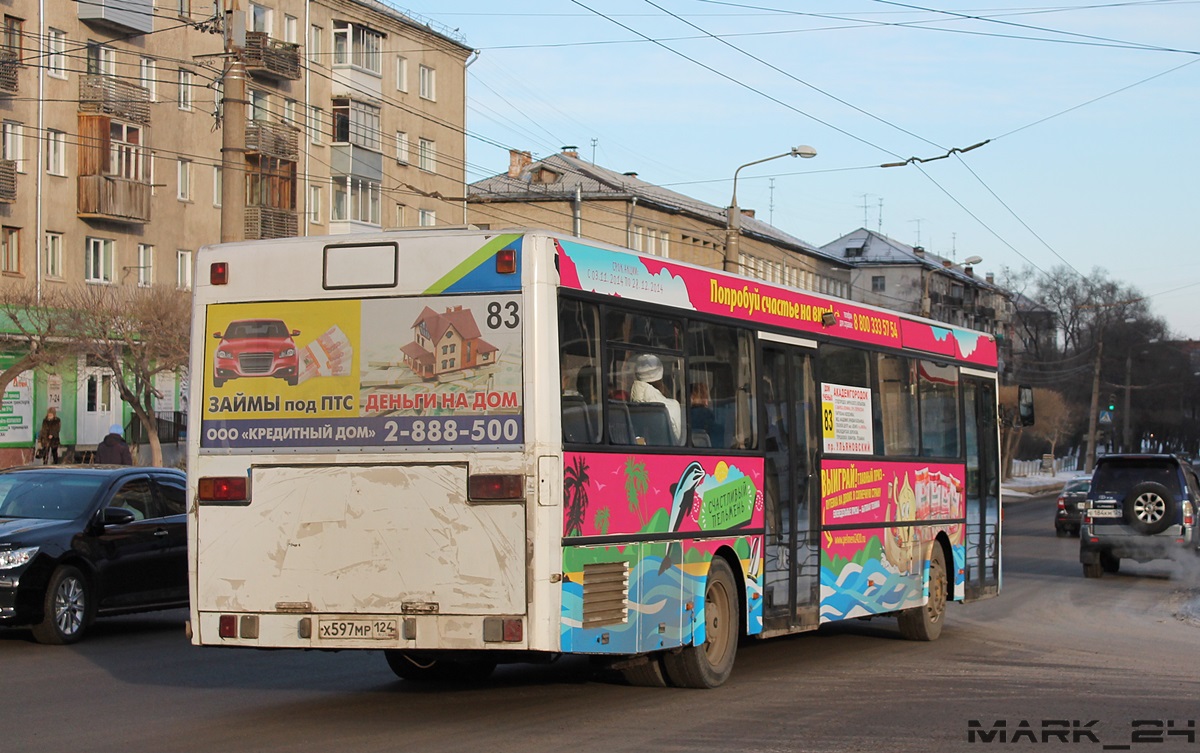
(10, 64)
(272, 140)
(268, 222)
(8, 181)
(115, 97)
(121, 16)
(104, 197)
(270, 57)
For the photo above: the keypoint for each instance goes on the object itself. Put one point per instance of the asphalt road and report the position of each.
(1102, 654)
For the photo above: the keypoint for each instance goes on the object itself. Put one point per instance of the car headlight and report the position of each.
(224, 354)
(288, 353)
(10, 558)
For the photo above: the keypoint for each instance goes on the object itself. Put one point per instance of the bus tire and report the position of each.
(709, 665)
(417, 667)
(924, 623)
(647, 675)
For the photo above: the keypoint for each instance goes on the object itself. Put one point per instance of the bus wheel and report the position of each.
(646, 675)
(924, 623)
(709, 665)
(424, 668)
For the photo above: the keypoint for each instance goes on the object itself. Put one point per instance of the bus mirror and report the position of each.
(1025, 415)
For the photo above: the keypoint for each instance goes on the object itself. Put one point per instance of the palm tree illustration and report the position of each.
(601, 520)
(575, 484)
(636, 483)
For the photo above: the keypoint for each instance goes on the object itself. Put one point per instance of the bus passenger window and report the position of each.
(579, 343)
(721, 411)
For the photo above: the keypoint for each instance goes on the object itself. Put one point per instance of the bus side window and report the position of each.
(720, 376)
(579, 370)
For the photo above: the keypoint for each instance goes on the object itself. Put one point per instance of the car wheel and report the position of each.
(417, 667)
(710, 664)
(66, 608)
(1109, 563)
(924, 623)
(1150, 507)
(218, 382)
(290, 380)
(1092, 570)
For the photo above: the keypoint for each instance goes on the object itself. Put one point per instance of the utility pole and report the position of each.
(1126, 427)
(233, 129)
(1090, 462)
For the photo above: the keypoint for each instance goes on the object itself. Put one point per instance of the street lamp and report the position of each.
(733, 216)
(925, 302)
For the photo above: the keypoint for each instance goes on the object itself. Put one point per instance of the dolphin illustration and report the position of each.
(682, 493)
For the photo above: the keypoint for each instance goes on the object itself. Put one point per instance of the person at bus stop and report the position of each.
(648, 387)
(113, 450)
(48, 441)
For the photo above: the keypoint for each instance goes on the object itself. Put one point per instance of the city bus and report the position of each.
(473, 447)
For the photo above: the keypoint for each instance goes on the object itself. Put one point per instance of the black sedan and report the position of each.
(1070, 502)
(77, 542)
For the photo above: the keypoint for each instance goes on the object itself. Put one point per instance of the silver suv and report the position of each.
(1140, 507)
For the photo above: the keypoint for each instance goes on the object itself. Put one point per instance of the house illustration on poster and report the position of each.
(446, 342)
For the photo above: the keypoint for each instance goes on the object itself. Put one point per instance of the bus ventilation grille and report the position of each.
(605, 593)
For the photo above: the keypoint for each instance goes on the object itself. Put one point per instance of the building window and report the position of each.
(54, 245)
(427, 155)
(56, 53)
(270, 182)
(401, 73)
(185, 89)
(56, 152)
(12, 146)
(314, 45)
(184, 172)
(399, 218)
(289, 113)
(426, 217)
(183, 269)
(259, 106)
(148, 70)
(428, 83)
(315, 116)
(878, 284)
(314, 204)
(98, 266)
(101, 59)
(217, 187)
(291, 29)
(260, 19)
(356, 123)
(10, 249)
(127, 154)
(402, 147)
(14, 32)
(355, 199)
(357, 46)
(182, 7)
(145, 265)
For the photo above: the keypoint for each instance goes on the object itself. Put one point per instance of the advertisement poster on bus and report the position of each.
(760, 302)
(846, 425)
(425, 372)
(871, 562)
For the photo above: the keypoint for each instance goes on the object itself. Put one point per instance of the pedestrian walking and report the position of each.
(113, 450)
(48, 440)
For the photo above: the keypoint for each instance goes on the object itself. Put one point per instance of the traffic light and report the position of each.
(1112, 402)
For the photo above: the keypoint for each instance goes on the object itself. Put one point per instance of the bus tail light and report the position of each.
(222, 489)
(506, 261)
(490, 487)
(503, 629)
(218, 273)
(227, 627)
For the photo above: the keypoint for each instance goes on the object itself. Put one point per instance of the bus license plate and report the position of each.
(1104, 512)
(376, 630)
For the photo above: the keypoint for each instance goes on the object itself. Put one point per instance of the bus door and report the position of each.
(983, 489)
(791, 582)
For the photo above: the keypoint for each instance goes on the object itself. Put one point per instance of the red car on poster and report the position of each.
(256, 348)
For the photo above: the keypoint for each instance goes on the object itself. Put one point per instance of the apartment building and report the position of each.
(111, 167)
(563, 192)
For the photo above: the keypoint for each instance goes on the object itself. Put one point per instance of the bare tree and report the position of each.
(138, 333)
(1056, 418)
(34, 325)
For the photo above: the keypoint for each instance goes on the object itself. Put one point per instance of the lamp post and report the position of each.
(733, 216)
(925, 302)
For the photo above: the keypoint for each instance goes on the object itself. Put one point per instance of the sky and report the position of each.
(1089, 111)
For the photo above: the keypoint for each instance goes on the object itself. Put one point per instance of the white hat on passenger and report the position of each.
(647, 368)
(116, 429)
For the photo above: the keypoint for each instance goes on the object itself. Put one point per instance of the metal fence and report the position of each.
(172, 427)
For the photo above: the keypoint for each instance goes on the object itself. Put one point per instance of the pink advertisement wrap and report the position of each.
(626, 275)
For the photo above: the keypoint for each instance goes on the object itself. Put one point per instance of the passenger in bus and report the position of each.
(707, 431)
(648, 387)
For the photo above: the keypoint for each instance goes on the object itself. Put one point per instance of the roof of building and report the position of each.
(879, 250)
(557, 177)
